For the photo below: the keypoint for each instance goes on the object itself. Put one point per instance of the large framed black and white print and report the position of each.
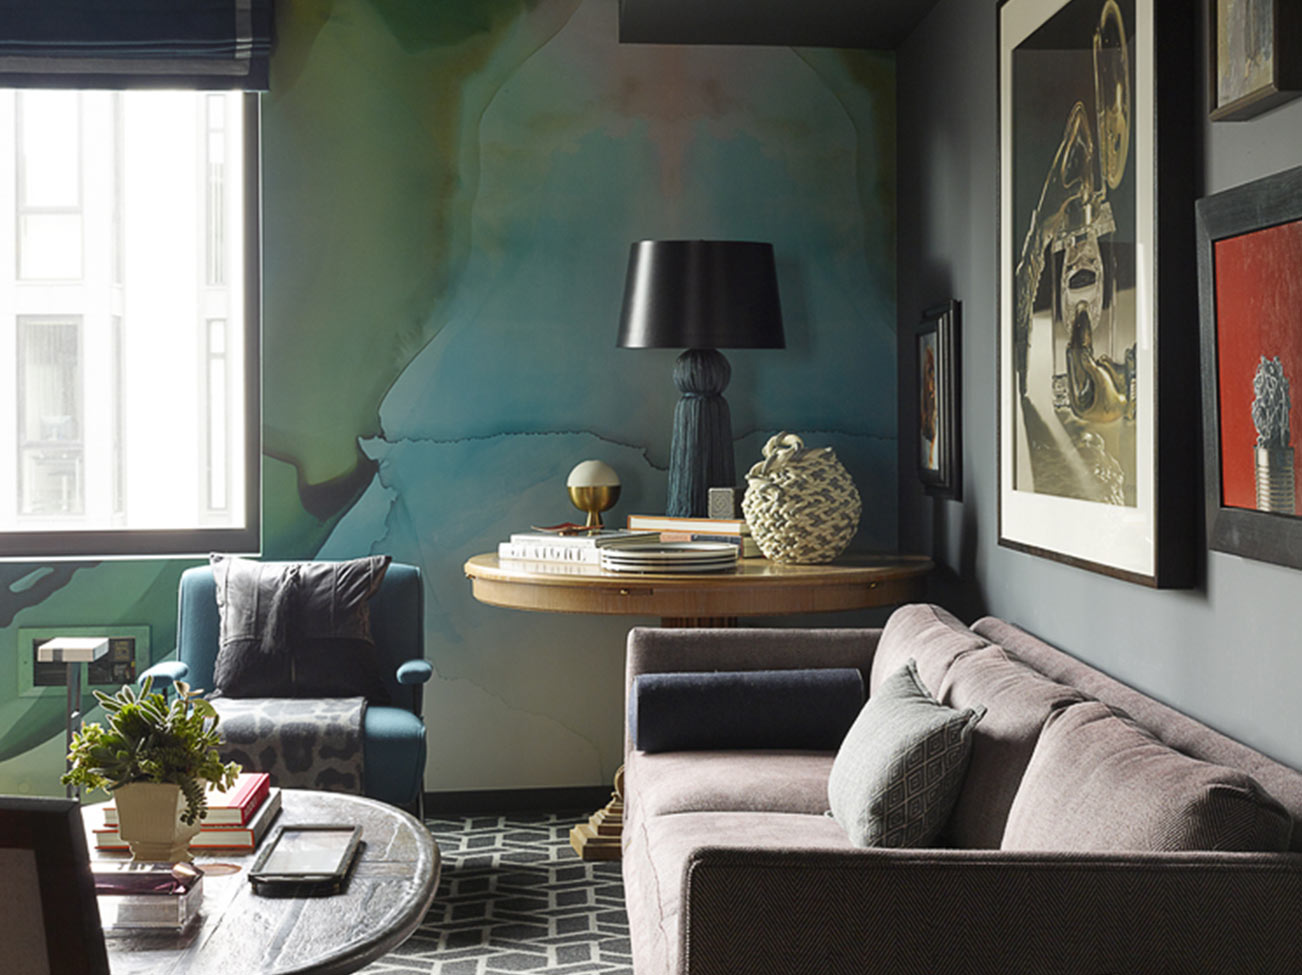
(1098, 417)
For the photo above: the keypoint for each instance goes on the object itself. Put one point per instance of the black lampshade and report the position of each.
(701, 294)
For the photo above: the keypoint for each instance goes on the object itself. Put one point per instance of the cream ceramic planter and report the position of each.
(149, 819)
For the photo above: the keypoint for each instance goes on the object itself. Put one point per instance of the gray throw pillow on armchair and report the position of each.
(297, 629)
(898, 772)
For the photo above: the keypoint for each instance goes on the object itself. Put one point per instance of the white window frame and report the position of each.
(81, 544)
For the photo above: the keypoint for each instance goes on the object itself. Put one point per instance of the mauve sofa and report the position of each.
(732, 866)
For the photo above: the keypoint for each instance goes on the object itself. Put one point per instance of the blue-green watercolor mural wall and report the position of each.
(450, 191)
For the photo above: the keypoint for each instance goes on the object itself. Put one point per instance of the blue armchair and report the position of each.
(393, 736)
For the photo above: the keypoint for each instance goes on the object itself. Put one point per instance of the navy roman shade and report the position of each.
(135, 43)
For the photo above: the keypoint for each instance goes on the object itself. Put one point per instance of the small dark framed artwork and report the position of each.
(1249, 252)
(1256, 56)
(939, 445)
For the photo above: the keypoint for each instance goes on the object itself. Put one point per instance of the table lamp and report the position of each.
(593, 486)
(700, 296)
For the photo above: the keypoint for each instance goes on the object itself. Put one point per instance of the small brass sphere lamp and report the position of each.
(594, 488)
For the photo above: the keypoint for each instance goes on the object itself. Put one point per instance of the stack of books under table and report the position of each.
(237, 818)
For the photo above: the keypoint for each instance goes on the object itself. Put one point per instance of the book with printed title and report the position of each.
(604, 538)
(583, 548)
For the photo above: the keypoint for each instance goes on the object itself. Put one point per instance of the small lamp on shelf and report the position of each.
(701, 296)
(593, 487)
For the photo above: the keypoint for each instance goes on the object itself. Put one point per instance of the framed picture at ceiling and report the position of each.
(1098, 419)
(1250, 293)
(937, 364)
(1255, 56)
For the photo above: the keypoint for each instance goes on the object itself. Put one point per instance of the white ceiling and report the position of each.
(871, 24)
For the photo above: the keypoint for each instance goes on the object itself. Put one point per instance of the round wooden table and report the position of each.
(756, 587)
(388, 890)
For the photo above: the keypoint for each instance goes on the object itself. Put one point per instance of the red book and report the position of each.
(233, 807)
(245, 837)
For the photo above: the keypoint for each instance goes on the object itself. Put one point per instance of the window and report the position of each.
(129, 283)
(47, 137)
(51, 453)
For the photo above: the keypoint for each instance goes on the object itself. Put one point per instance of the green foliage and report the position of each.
(148, 740)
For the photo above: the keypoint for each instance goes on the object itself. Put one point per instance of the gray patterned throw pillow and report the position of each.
(900, 767)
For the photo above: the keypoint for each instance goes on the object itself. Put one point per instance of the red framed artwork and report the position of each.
(1249, 250)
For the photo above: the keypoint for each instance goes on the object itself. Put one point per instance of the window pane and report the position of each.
(51, 481)
(49, 416)
(216, 190)
(49, 146)
(117, 393)
(49, 247)
(218, 449)
(50, 380)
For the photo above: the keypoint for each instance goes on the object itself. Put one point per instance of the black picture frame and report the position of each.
(1225, 219)
(1121, 502)
(1236, 89)
(937, 371)
(43, 841)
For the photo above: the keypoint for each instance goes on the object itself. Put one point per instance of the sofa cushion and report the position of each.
(1018, 700)
(1178, 730)
(1098, 782)
(929, 635)
(655, 860)
(810, 709)
(898, 772)
(710, 781)
(297, 629)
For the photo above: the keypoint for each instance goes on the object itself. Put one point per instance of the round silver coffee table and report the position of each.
(238, 932)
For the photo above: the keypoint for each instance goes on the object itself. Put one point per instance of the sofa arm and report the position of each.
(164, 672)
(985, 911)
(414, 672)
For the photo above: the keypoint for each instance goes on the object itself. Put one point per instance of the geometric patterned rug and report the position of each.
(513, 898)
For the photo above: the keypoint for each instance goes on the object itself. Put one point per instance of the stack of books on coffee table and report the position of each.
(237, 818)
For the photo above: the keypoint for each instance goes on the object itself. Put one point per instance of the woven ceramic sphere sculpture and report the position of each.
(800, 503)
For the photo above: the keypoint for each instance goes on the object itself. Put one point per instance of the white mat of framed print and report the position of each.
(1081, 477)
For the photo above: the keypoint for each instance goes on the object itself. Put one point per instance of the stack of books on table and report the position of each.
(580, 547)
(147, 895)
(237, 818)
(672, 529)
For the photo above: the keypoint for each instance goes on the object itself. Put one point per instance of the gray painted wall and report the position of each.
(1228, 652)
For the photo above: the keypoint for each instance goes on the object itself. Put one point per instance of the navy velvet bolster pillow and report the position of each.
(805, 709)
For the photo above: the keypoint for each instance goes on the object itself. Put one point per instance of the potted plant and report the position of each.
(157, 760)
